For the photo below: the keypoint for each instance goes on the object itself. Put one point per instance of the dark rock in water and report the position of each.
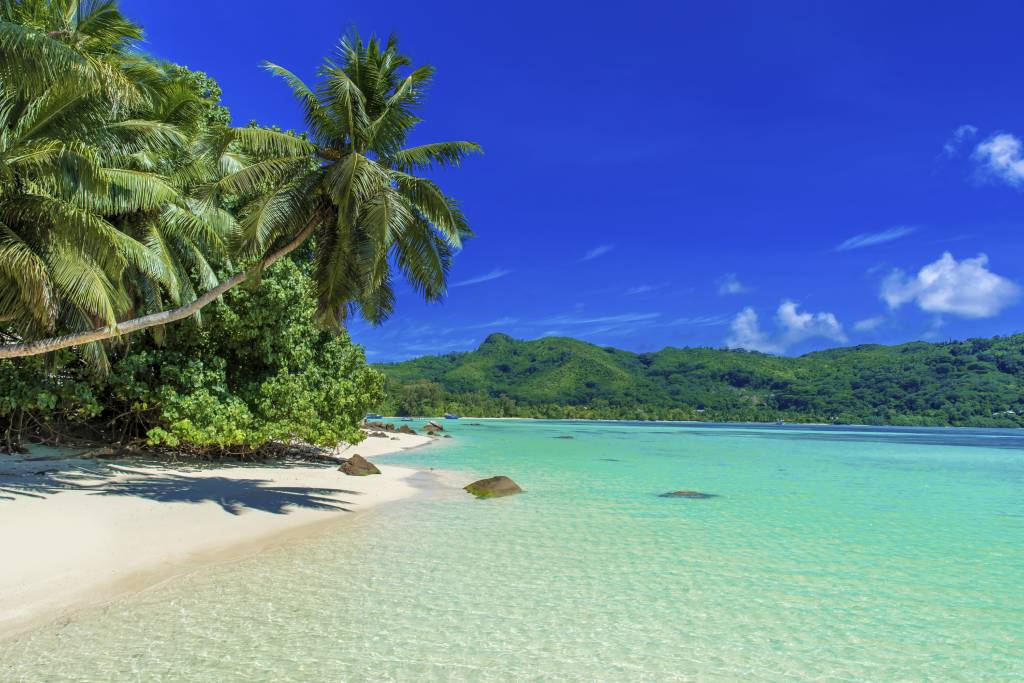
(430, 431)
(565, 436)
(611, 459)
(688, 494)
(475, 424)
(447, 436)
(358, 466)
(434, 425)
(494, 487)
(379, 435)
(406, 429)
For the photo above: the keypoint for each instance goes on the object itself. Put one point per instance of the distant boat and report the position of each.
(406, 419)
(780, 423)
(374, 416)
(450, 416)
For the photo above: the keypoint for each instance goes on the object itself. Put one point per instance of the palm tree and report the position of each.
(369, 210)
(96, 168)
(353, 185)
(78, 43)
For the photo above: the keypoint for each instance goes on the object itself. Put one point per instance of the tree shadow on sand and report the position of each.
(232, 495)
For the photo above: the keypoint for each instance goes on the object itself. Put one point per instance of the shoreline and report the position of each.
(85, 531)
(722, 422)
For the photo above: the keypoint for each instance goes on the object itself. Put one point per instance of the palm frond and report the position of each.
(426, 157)
(261, 142)
(442, 211)
(131, 191)
(23, 266)
(261, 176)
(321, 126)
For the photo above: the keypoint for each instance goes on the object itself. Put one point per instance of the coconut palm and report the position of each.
(353, 185)
(75, 42)
(95, 220)
(368, 209)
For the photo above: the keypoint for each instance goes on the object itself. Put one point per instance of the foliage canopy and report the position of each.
(127, 201)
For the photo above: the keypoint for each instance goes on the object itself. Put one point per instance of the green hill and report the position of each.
(974, 382)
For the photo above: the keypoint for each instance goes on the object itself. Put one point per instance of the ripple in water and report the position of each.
(828, 555)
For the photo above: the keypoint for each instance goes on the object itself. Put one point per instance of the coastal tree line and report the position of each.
(977, 382)
(169, 278)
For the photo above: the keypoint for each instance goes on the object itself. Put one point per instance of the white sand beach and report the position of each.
(78, 532)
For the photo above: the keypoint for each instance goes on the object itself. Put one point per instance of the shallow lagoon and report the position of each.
(829, 554)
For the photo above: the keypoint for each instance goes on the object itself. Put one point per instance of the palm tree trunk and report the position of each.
(35, 348)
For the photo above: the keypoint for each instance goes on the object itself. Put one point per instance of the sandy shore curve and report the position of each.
(80, 532)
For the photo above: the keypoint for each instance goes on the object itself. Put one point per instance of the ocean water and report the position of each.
(829, 554)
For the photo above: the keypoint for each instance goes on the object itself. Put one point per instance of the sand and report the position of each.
(78, 532)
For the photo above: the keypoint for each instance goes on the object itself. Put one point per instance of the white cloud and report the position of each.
(642, 289)
(869, 324)
(799, 326)
(701, 321)
(622, 318)
(599, 250)
(500, 322)
(870, 239)
(730, 284)
(957, 139)
(791, 327)
(747, 334)
(966, 288)
(1001, 158)
(493, 275)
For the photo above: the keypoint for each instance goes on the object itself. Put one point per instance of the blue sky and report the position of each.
(778, 176)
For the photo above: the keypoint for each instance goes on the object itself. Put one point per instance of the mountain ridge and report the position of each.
(975, 382)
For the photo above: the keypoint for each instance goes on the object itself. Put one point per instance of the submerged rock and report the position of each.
(688, 494)
(493, 487)
(565, 436)
(358, 466)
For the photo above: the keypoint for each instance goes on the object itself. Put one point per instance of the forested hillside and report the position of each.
(978, 382)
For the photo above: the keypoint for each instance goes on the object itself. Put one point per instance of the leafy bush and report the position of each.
(257, 373)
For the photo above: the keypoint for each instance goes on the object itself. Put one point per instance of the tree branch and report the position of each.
(35, 348)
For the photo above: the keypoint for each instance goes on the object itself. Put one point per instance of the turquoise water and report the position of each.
(836, 554)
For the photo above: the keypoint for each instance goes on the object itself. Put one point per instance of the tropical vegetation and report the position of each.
(977, 382)
(128, 202)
